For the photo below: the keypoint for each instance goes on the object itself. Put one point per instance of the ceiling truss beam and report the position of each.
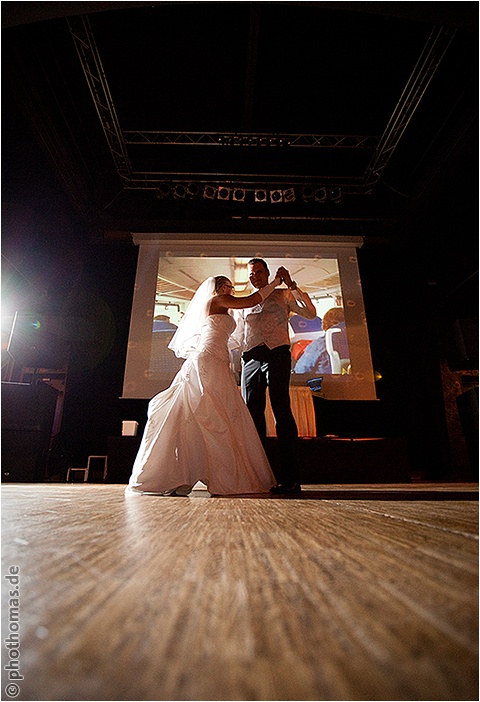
(425, 68)
(383, 147)
(328, 141)
(249, 182)
(90, 60)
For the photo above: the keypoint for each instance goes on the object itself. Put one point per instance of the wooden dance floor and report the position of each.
(346, 592)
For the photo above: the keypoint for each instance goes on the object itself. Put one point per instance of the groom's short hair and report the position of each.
(259, 260)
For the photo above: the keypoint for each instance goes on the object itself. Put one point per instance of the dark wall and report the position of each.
(405, 352)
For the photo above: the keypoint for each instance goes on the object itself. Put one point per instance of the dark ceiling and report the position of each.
(111, 108)
(354, 114)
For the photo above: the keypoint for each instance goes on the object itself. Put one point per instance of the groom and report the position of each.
(266, 361)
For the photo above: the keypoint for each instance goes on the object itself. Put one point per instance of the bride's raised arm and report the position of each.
(240, 303)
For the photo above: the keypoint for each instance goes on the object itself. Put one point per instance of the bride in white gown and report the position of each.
(199, 429)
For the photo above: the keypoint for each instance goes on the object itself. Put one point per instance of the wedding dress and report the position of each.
(199, 429)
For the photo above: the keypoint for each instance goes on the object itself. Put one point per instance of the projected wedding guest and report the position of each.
(303, 333)
(315, 357)
(199, 428)
(162, 323)
(162, 359)
(266, 361)
(300, 325)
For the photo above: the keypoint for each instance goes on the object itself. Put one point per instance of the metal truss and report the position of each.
(425, 68)
(194, 183)
(383, 147)
(328, 141)
(97, 82)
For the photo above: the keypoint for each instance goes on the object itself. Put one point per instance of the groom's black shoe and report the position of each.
(285, 488)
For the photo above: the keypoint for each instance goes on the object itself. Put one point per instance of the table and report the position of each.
(303, 410)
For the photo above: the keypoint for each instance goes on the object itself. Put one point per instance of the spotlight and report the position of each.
(209, 192)
(223, 193)
(193, 189)
(260, 195)
(276, 196)
(289, 195)
(179, 191)
(238, 195)
(335, 194)
(307, 193)
(162, 191)
(320, 194)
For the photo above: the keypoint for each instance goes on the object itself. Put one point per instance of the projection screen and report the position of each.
(170, 270)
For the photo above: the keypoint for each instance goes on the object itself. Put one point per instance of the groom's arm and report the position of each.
(297, 301)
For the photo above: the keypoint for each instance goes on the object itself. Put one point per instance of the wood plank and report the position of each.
(151, 598)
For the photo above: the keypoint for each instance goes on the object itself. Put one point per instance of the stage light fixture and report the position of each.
(179, 191)
(276, 196)
(260, 195)
(223, 193)
(193, 189)
(209, 192)
(162, 191)
(320, 194)
(307, 193)
(335, 194)
(289, 195)
(238, 195)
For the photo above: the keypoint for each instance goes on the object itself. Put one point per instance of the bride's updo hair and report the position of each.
(219, 281)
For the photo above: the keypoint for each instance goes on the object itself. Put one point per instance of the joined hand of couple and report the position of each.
(284, 276)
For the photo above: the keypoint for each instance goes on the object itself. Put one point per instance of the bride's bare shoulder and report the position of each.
(216, 306)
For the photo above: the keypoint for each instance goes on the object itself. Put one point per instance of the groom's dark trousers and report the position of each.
(262, 367)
